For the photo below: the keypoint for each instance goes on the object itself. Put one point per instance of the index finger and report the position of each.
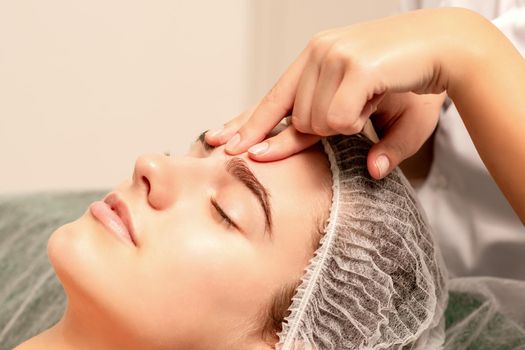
(271, 110)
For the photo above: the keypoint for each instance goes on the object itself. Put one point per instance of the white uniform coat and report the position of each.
(479, 233)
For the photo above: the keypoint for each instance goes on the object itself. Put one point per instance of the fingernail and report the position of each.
(234, 141)
(214, 133)
(382, 164)
(259, 148)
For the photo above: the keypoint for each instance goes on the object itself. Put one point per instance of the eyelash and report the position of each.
(229, 222)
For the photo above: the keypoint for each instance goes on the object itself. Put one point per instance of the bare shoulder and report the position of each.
(34, 343)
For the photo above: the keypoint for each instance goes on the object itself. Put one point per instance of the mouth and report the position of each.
(120, 207)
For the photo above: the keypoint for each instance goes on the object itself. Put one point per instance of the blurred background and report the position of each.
(87, 86)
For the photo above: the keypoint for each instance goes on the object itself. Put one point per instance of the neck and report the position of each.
(58, 337)
(70, 333)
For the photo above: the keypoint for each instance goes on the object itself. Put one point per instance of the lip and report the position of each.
(113, 212)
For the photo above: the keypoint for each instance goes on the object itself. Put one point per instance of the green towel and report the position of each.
(472, 324)
(31, 297)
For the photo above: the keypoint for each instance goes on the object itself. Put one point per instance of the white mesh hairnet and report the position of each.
(377, 280)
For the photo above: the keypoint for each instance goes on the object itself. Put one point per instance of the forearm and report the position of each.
(487, 85)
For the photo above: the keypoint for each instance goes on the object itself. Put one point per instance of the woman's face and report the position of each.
(194, 280)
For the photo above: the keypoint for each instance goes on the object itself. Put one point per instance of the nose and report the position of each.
(156, 175)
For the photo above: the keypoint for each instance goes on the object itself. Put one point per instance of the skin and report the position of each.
(346, 74)
(193, 281)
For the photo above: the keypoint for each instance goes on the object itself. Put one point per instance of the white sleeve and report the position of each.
(490, 9)
(411, 5)
(512, 24)
(507, 15)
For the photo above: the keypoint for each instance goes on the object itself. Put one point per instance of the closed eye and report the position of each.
(229, 222)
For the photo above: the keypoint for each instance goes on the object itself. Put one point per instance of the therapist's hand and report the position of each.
(346, 74)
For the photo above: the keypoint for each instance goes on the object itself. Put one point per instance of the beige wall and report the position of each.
(86, 86)
(283, 28)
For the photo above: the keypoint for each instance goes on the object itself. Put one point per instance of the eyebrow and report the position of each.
(240, 170)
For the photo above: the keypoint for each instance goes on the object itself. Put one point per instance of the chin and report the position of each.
(71, 249)
(90, 266)
(60, 251)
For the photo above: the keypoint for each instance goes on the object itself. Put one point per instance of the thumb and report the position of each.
(403, 138)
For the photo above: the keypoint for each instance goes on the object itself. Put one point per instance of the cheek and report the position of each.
(198, 260)
(198, 271)
(187, 277)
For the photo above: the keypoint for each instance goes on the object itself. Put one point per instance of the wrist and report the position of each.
(473, 46)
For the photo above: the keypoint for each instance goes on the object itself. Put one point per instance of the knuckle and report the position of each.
(319, 45)
(357, 125)
(331, 60)
(338, 54)
(332, 65)
(336, 123)
(316, 40)
(350, 61)
(318, 129)
(318, 124)
(302, 129)
(317, 53)
(298, 124)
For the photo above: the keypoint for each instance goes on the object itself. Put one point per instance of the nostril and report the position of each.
(146, 181)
